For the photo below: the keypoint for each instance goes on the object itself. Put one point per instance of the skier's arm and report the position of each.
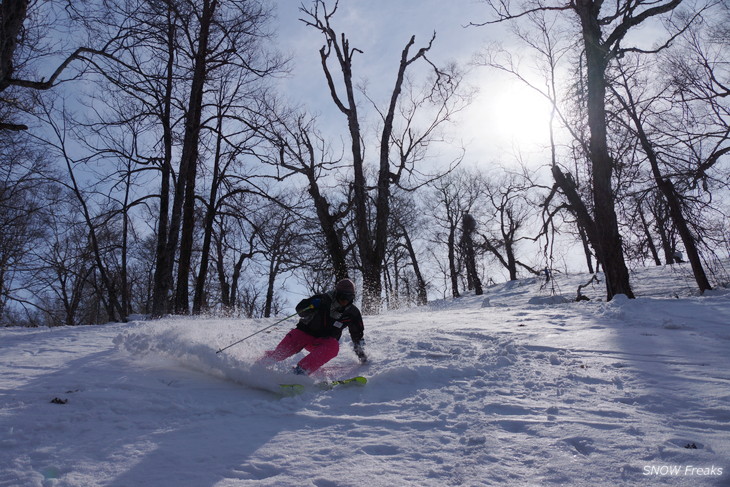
(357, 332)
(307, 307)
(359, 348)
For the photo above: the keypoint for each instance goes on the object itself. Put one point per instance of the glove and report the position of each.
(308, 311)
(359, 348)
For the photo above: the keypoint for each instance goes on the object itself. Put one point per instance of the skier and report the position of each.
(322, 318)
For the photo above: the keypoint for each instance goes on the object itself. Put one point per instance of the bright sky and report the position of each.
(505, 117)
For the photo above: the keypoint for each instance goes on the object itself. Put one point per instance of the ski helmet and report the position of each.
(345, 289)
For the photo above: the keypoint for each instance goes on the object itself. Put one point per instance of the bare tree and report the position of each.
(644, 227)
(29, 34)
(407, 224)
(233, 149)
(371, 211)
(508, 211)
(301, 151)
(468, 229)
(235, 246)
(633, 106)
(452, 197)
(70, 264)
(57, 122)
(229, 33)
(698, 75)
(604, 34)
(26, 194)
(173, 58)
(280, 242)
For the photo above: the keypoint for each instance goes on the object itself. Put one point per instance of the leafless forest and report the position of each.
(150, 164)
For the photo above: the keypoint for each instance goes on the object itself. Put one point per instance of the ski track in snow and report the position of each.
(463, 392)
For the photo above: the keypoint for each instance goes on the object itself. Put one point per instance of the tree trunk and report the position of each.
(189, 157)
(586, 249)
(661, 224)
(511, 261)
(390, 298)
(125, 304)
(11, 25)
(370, 272)
(468, 227)
(649, 238)
(165, 255)
(112, 305)
(472, 268)
(332, 237)
(182, 293)
(235, 278)
(222, 279)
(577, 207)
(607, 239)
(273, 272)
(394, 282)
(208, 222)
(372, 258)
(422, 297)
(454, 273)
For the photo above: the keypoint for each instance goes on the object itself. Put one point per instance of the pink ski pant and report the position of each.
(321, 350)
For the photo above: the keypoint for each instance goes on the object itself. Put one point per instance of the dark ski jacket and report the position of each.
(328, 318)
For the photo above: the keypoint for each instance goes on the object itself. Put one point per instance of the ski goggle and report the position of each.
(342, 296)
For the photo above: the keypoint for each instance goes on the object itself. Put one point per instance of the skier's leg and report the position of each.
(321, 351)
(292, 343)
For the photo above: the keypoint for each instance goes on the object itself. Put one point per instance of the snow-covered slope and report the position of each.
(472, 391)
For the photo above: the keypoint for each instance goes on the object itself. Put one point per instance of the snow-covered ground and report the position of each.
(462, 392)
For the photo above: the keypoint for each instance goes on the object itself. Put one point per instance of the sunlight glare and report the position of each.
(521, 116)
(509, 117)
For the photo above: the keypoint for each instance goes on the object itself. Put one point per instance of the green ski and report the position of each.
(291, 389)
(359, 380)
(296, 389)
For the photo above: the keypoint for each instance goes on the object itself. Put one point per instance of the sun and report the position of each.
(508, 116)
(521, 115)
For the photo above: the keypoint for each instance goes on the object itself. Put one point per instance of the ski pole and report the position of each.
(263, 329)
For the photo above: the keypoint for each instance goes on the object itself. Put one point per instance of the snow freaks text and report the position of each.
(682, 471)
